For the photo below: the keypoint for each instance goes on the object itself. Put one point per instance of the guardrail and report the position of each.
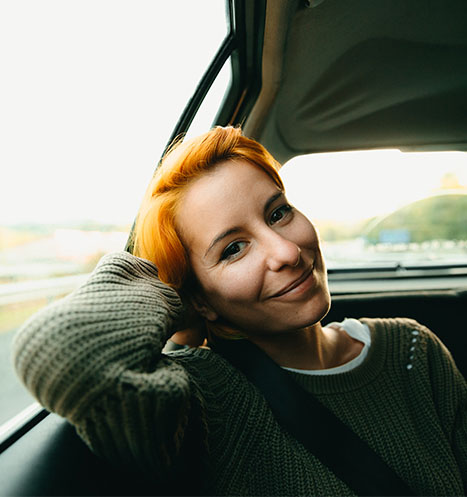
(12, 293)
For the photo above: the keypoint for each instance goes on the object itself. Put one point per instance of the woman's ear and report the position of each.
(203, 308)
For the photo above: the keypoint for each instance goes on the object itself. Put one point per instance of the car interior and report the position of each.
(309, 77)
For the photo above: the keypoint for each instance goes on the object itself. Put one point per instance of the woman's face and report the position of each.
(257, 259)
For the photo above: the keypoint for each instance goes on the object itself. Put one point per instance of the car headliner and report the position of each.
(359, 74)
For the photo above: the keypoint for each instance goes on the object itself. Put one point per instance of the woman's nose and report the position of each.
(282, 252)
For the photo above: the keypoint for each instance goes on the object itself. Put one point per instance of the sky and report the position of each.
(89, 95)
(353, 186)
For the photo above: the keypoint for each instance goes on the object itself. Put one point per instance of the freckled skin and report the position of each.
(252, 277)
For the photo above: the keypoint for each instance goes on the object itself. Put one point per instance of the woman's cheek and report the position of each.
(306, 231)
(241, 280)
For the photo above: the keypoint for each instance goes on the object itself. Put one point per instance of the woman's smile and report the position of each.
(297, 287)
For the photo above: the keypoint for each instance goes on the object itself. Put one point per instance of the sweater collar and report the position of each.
(357, 377)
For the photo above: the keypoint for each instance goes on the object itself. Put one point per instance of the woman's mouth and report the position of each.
(298, 286)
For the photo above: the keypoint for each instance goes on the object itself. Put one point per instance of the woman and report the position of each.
(217, 225)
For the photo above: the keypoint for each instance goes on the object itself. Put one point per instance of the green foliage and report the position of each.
(442, 217)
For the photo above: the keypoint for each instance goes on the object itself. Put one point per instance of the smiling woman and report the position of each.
(264, 274)
(251, 234)
(249, 265)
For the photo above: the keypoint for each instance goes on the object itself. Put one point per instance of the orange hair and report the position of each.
(155, 234)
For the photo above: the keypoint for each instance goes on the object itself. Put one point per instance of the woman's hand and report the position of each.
(191, 327)
(192, 337)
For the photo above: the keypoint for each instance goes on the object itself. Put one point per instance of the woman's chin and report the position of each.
(318, 309)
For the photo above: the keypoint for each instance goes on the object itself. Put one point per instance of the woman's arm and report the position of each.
(460, 440)
(450, 393)
(95, 358)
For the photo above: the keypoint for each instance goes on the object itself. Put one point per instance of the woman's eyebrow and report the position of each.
(271, 200)
(221, 237)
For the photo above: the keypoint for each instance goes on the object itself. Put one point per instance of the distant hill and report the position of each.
(440, 217)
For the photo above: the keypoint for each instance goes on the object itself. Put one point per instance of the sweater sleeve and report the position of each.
(460, 438)
(95, 358)
(450, 391)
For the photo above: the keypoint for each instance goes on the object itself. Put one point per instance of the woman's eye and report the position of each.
(232, 250)
(279, 213)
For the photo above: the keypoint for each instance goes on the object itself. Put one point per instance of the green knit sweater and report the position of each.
(95, 358)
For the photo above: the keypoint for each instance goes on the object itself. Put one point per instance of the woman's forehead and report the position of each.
(229, 183)
(223, 199)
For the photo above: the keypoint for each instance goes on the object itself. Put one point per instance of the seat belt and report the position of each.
(313, 424)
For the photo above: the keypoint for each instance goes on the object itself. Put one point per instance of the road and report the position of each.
(13, 395)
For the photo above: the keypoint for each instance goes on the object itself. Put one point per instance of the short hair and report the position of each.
(155, 235)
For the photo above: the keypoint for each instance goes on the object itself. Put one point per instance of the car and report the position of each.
(309, 78)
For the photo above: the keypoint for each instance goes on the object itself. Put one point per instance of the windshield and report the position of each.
(384, 208)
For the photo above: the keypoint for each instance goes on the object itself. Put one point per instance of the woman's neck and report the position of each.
(314, 347)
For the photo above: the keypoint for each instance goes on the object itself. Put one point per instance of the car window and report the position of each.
(384, 207)
(90, 94)
(212, 102)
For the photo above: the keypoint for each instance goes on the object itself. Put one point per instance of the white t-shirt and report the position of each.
(356, 330)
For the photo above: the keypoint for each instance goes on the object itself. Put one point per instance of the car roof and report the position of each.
(358, 74)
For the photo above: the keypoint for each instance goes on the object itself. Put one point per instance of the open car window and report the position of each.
(90, 95)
